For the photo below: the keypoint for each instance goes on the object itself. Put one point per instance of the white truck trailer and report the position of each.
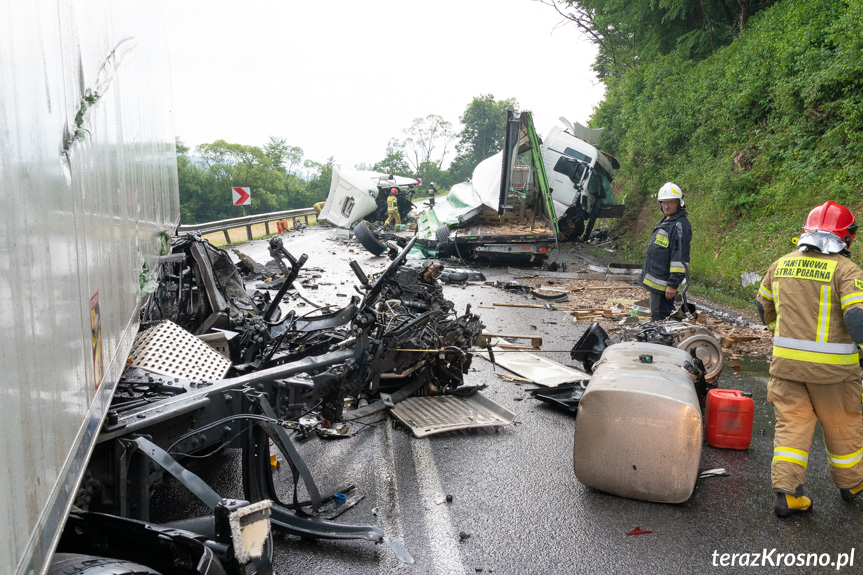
(88, 162)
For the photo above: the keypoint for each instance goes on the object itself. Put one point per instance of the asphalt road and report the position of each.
(517, 507)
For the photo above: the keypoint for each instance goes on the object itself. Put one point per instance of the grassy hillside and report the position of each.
(756, 134)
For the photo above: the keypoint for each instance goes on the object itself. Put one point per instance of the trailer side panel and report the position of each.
(88, 160)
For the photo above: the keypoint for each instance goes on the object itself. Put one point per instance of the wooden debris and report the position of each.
(535, 340)
(729, 341)
(514, 378)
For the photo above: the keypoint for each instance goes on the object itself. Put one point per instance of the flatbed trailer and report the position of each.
(505, 240)
(505, 213)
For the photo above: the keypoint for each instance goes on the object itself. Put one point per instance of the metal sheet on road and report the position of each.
(542, 371)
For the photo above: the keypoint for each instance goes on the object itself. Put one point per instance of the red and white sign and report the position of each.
(241, 196)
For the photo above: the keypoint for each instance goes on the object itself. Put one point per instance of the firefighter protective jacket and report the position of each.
(808, 299)
(666, 253)
(392, 204)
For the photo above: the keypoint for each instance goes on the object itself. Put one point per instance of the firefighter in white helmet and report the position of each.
(667, 253)
(812, 300)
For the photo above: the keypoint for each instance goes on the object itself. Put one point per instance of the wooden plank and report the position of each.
(512, 346)
(535, 340)
(514, 378)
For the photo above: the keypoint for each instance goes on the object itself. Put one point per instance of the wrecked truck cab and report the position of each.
(580, 176)
(356, 195)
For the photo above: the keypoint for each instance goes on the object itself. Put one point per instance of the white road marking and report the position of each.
(442, 538)
(387, 502)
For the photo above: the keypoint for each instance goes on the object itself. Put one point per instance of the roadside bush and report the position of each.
(756, 134)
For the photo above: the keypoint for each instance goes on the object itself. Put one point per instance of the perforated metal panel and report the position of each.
(436, 414)
(168, 349)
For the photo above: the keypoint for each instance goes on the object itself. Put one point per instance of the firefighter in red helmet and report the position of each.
(812, 300)
(393, 215)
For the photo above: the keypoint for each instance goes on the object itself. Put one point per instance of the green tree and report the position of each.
(237, 165)
(319, 186)
(394, 161)
(482, 136)
(630, 33)
(427, 141)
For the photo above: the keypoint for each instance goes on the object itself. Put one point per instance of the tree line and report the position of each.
(753, 107)
(282, 179)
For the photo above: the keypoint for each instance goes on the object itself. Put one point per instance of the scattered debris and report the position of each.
(718, 472)
(639, 531)
(557, 297)
(514, 378)
(342, 505)
(564, 396)
(533, 305)
(749, 278)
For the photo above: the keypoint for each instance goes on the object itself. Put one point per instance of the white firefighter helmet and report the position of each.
(670, 191)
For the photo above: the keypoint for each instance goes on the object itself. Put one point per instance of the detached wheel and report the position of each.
(75, 564)
(369, 240)
(442, 234)
(454, 277)
(708, 350)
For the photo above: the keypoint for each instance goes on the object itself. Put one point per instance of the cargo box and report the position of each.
(638, 432)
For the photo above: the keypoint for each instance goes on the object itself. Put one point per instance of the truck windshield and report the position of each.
(578, 155)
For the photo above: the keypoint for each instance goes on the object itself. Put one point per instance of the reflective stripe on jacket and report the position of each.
(392, 204)
(805, 296)
(666, 253)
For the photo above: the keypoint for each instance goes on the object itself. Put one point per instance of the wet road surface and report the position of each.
(517, 507)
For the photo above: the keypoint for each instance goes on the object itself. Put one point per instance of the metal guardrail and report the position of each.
(247, 221)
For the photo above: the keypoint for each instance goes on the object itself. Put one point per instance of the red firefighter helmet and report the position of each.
(834, 218)
(394, 191)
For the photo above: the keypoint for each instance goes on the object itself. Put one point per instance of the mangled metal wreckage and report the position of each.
(179, 397)
(518, 203)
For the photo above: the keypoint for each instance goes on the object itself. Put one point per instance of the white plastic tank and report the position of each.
(638, 432)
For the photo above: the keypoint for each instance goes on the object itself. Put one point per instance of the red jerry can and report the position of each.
(728, 416)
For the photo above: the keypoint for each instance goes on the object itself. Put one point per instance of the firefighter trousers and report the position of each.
(798, 406)
(394, 217)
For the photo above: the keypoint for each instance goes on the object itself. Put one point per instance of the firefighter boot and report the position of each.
(787, 505)
(851, 493)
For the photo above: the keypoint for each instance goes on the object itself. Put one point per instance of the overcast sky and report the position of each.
(340, 78)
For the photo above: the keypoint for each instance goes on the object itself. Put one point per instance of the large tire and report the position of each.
(75, 564)
(366, 236)
(442, 234)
